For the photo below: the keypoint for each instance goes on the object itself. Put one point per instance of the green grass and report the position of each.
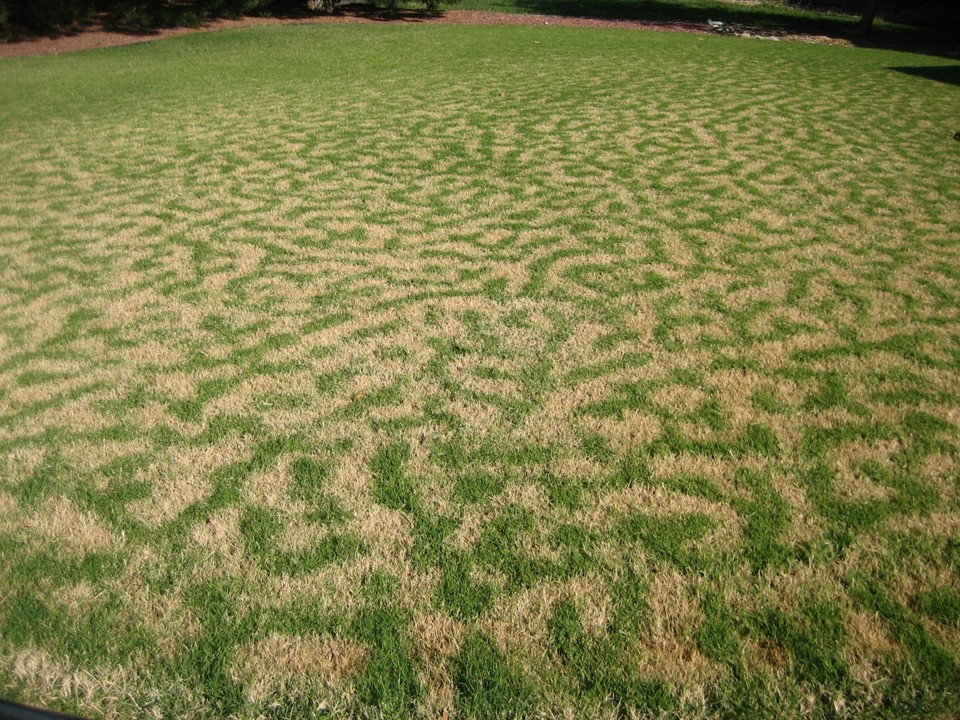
(761, 14)
(401, 370)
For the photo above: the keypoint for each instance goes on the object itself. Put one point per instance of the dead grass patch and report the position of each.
(19, 463)
(437, 639)
(678, 398)
(335, 588)
(52, 679)
(181, 478)
(636, 429)
(58, 523)
(281, 664)
(218, 539)
(665, 650)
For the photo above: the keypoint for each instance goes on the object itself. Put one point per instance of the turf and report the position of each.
(479, 372)
(760, 14)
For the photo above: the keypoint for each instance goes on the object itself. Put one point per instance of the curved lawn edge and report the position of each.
(96, 36)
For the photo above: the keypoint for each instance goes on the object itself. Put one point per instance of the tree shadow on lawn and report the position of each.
(658, 11)
(737, 19)
(948, 74)
(753, 19)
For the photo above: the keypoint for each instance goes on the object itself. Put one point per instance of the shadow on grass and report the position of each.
(738, 18)
(948, 74)
(753, 19)
(664, 11)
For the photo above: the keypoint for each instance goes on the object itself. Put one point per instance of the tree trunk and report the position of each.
(865, 26)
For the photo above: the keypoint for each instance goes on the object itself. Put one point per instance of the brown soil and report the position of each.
(98, 36)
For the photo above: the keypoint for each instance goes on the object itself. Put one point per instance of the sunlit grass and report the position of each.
(411, 370)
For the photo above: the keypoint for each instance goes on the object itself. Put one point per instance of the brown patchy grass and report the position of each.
(555, 387)
(278, 665)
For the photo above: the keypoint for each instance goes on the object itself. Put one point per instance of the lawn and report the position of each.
(460, 371)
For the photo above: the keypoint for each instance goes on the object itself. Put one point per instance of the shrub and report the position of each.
(45, 15)
(40, 16)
